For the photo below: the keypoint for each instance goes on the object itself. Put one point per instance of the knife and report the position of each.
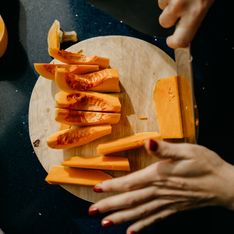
(186, 93)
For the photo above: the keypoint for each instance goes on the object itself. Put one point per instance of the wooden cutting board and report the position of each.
(140, 65)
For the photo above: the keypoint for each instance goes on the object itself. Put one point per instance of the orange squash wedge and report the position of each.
(3, 37)
(100, 162)
(89, 101)
(85, 118)
(56, 36)
(126, 143)
(166, 98)
(106, 80)
(79, 58)
(47, 70)
(66, 175)
(74, 137)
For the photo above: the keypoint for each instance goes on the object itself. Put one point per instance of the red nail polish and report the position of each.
(97, 189)
(153, 145)
(93, 211)
(132, 232)
(107, 223)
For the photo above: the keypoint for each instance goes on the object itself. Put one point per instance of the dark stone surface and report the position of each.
(27, 203)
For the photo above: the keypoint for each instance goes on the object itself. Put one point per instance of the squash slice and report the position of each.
(85, 118)
(47, 70)
(79, 58)
(66, 175)
(126, 143)
(106, 80)
(100, 162)
(89, 101)
(168, 112)
(74, 137)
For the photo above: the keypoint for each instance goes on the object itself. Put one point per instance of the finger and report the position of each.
(136, 180)
(184, 32)
(138, 212)
(124, 200)
(165, 150)
(169, 17)
(162, 4)
(143, 223)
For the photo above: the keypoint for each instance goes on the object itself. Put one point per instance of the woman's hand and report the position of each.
(187, 15)
(186, 177)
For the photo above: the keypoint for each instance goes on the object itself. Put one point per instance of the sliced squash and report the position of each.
(100, 162)
(126, 143)
(57, 36)
(79, 58)
(74, 137)
(89, 101)
(3, 37)
(66, 175)
(106, 80)
(166, 98)
(85, 118)
(53, 38)
(47, 70)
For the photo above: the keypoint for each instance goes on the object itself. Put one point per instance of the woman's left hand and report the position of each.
(187, 176)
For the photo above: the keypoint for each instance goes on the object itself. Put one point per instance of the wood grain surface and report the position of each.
(140, 65)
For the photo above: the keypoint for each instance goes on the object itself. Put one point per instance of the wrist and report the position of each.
(227, 190)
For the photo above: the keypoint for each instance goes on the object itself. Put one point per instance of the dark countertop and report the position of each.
(27, 203)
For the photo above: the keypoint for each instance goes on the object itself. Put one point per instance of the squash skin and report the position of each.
(74, 137)
(85, 118)
(106, 80)
(127, 143)
(47, 70)
(113, 163)
(88, 101)
(75, 176)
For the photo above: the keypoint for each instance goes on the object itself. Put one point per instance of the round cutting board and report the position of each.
(140, 65)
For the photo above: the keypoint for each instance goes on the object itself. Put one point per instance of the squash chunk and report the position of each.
(85, 118)
(106, 80)
(65, 175)
(74, 137)
(166, 97)
(89, 101)
(47, 70)
(99, 162)
(126, 143)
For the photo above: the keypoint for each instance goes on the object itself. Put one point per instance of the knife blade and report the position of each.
(186, 93)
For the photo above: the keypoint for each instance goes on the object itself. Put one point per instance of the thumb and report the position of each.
(162, 149)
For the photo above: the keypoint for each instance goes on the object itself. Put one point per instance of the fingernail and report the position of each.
(97, 189)
(132, 232)
(107, 223)
(153, 145)
(93, 211)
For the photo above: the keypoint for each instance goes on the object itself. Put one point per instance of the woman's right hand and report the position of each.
(187, 15)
